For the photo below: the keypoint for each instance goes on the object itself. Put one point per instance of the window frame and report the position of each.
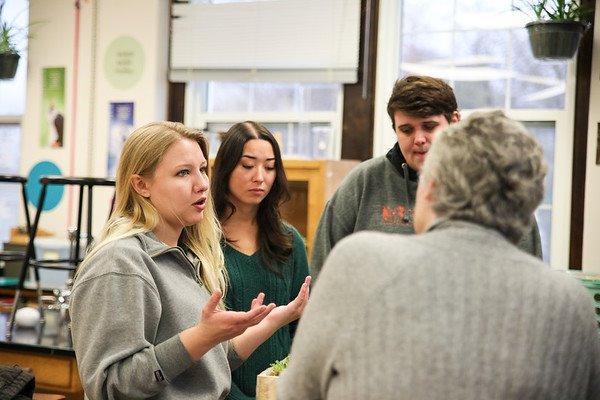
(388, 67)
(202, 119)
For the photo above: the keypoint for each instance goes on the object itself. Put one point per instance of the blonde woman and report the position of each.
(147, 314)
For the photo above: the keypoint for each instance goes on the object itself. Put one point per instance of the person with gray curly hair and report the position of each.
(457, 311)
(488, 171)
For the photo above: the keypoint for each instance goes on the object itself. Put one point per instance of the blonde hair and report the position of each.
(134, 214)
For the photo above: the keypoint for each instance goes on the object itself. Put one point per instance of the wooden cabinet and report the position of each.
(53, 373)
(312, 183)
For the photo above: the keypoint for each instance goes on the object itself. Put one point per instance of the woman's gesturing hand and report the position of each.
(247, 342)
(283, 315)
(216, 325)
(223, 325)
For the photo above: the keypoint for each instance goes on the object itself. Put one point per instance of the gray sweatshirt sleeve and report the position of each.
(337, 221)
(115, 316)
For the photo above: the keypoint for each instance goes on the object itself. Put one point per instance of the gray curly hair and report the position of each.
(489, 170)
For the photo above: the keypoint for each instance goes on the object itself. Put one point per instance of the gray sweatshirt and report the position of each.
(128, 306)
(376, 196)
(455, 313)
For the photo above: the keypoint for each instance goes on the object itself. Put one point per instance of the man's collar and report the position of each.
(396, 157)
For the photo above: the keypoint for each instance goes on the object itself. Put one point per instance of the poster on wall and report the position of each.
(119, 128)
(124, 62)
(52, 120)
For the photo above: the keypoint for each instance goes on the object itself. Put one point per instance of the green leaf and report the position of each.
(278, 366)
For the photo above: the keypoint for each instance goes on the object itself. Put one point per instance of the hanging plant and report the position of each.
(9, 54)
(557, 28)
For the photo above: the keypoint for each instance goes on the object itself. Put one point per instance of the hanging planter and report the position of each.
(8, 65)
(10, 35)
(558, 27)
(555, 40)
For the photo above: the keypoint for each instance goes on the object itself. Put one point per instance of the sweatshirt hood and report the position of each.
(397, 159)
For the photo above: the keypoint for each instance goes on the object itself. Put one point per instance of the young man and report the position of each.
(457, 311)
(379, 194)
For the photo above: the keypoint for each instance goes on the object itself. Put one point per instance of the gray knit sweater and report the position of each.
(375, 196)
(455, 313)
(129, 305)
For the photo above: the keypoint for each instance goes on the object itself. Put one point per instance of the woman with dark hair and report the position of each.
(262, 253)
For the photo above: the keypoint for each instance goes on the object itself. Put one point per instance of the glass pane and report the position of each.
(303, 140)
(322, 141)
(214, 132)
(228, 97)
(497, 14)
(427, 16)
(284, 134)
(537, 84)
(279, 131)
(434, 49)
(12, 92)
(275, 102)
(10, 200)
(545, 133)
(479, 68)
(544, 221)
(478, 94)
(320, 97)
(274, 97)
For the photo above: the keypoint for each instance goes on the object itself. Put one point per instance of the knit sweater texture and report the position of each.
(129, 304)
(455, 313)
(376, 196)
(247, 277)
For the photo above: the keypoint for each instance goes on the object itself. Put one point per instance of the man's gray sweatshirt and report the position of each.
(129, 304)
(378, 195)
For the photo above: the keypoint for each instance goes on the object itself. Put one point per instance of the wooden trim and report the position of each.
(358, 112)
(176, 101)
(176, 91)
(580, 132)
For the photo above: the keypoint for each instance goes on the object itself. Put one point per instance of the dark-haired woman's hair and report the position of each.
(275, 242)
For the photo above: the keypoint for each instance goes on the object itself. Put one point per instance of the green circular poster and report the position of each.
(124, 62)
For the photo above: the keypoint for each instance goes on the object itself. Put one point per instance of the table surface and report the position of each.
(51, 338)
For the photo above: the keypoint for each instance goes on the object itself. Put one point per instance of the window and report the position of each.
(280, 63)
(12, 107)
(304, 117)
(482, 50)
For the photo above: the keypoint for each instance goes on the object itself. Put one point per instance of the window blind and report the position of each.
(277, 40)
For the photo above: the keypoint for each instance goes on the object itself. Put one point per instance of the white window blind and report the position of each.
(278, 40)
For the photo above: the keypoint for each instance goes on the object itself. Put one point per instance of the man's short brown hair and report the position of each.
(422, 96)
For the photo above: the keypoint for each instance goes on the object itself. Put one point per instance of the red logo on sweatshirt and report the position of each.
(395, 215)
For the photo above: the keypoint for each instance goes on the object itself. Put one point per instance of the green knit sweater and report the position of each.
(247, 277)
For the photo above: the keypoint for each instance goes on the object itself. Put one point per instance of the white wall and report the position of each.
(591, 218)
(101, 21)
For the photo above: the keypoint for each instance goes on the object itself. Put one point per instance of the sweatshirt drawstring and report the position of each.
(406, 217)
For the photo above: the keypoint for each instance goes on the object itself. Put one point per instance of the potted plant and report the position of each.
(558, 27)
(266, 381)
(9, 55)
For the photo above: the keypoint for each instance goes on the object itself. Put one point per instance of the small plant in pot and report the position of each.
(557, 28)
(9, 54)
(266, 381)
